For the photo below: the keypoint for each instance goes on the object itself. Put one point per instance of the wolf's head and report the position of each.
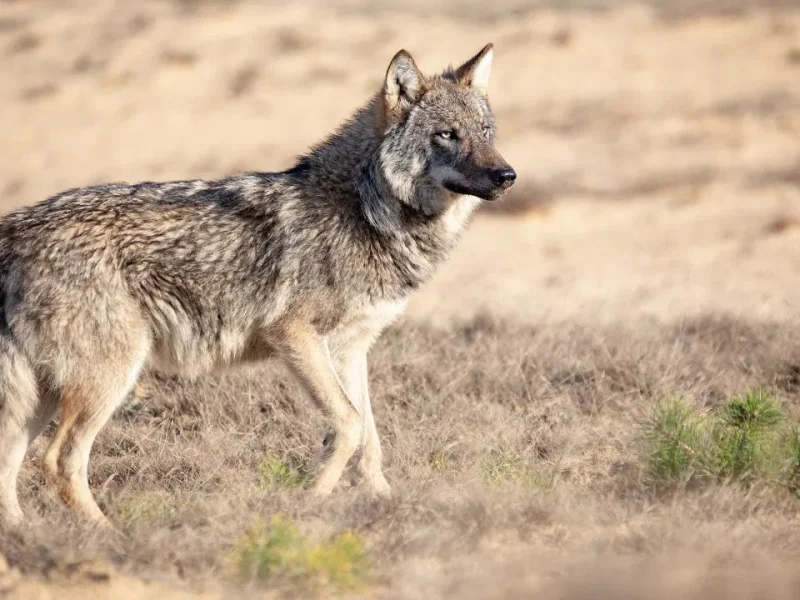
(438, 134)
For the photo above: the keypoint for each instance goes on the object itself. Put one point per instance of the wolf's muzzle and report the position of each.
(503, 178)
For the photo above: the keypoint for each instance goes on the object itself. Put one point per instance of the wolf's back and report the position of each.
(5, 264)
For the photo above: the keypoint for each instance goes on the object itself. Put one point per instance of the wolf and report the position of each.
(307, 265)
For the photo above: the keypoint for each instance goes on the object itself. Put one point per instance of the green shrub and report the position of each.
(745, 436)
(674, 439)
(749, 439)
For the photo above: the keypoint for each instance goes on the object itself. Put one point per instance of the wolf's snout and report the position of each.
(503, 177)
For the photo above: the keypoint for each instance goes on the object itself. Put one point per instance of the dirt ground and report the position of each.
(651, 247)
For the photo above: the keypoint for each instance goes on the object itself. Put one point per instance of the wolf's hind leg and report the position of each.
(87, 403)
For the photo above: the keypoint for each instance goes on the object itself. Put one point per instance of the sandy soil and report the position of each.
(660, 155)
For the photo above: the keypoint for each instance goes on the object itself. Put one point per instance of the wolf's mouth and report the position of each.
(482, 193)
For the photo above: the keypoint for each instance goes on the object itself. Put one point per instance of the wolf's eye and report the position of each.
(487, 129)
(446, 135)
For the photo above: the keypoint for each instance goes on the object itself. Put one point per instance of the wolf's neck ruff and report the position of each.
(405, 232)
(358, 161)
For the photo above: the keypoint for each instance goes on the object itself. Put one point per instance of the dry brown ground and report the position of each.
(653, 250)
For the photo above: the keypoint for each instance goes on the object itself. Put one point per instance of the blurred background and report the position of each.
(656, 142)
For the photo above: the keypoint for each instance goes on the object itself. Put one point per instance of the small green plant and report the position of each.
(439, 462)
(444, 459)
(748, 439)
(673, 437)
(745, 435)
(275, 472)
(278, 553)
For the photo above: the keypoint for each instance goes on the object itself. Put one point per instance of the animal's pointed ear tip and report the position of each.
(402, 54)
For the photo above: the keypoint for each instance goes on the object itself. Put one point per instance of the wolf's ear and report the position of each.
(404, 84)
(476, 71)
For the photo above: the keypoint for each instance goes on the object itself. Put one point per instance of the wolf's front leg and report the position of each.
(351, 364)
(307, 355)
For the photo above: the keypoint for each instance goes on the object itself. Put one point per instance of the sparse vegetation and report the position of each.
(748, 440)
(147, 507)
(508, 465)
(474, 458)
(674, 441)
(275, 472)
(278, 554)
(745, 436)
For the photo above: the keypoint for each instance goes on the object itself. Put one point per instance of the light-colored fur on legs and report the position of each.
(22, 418)
(352, 366)
(86, 406)
(349, 346)
(308, 356)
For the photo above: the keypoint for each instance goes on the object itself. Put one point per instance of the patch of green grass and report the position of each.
(279, 554)
(275, 472)
(749, 439)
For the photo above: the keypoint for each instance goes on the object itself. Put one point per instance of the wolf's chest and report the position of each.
(365, 321)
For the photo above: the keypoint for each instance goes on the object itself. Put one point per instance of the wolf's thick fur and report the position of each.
(308, 264)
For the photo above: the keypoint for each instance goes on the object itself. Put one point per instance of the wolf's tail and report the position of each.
(18, 407)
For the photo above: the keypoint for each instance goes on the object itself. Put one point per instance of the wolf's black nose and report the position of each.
(503, 176)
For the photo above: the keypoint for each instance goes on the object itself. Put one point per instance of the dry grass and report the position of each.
(512, 449)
